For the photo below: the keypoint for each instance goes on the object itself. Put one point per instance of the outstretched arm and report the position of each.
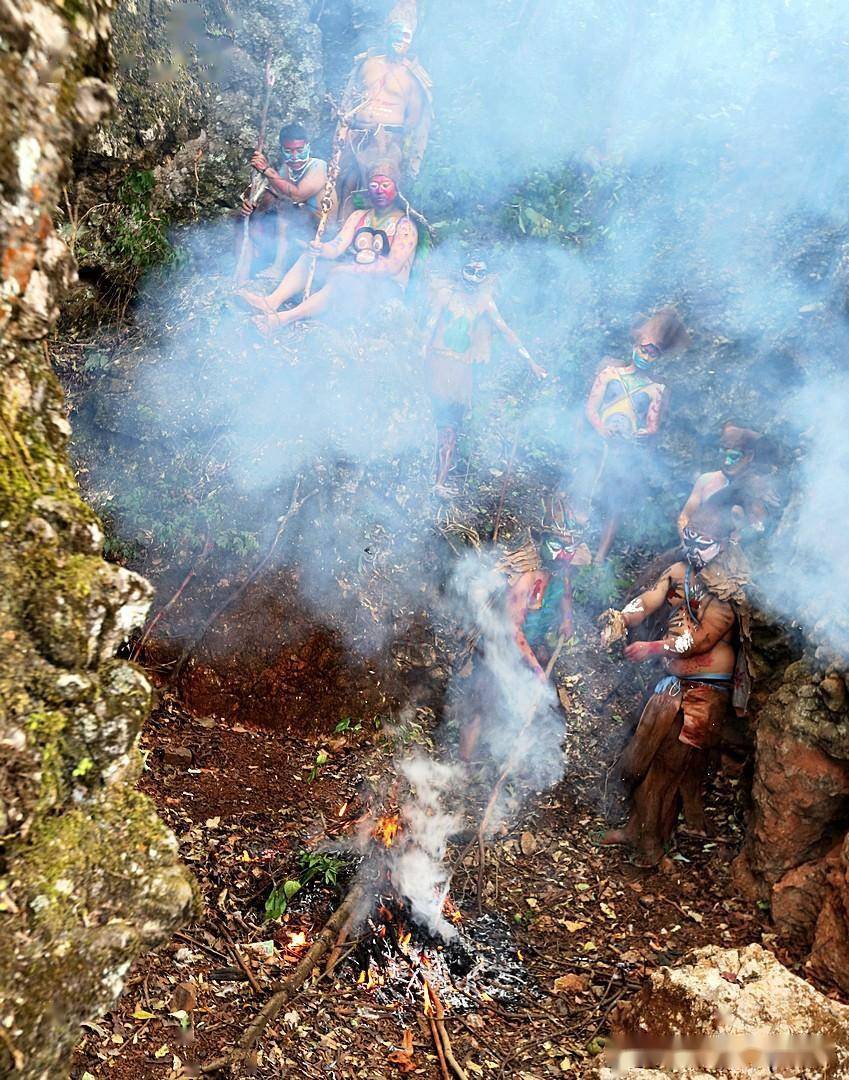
(512, 338)
(686, 638)
(340, 243)
(648, 602)
(692, 504)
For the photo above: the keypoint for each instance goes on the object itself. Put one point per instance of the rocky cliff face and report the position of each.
(190, 82)
(797, 852)
(88, 874)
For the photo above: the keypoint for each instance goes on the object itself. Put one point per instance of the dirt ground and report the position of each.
(586, 923)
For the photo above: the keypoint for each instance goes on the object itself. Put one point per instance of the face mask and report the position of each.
(731, 459)
(555, 551)
(644, 356)
(400, 38)
(474, 273)
(382, 191)
(699, 550)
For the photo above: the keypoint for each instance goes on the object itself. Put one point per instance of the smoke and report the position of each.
(418, 870)
(608, 157)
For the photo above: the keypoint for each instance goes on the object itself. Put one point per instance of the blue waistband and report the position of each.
(671, 684)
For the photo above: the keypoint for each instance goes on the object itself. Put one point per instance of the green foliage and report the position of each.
(596, 588)
(347, 724)
(280, 897)
(321, 865)
(140, 240)
(321, 759)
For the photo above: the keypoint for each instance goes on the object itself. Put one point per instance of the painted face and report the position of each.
(296, 152)
(475, 273)
(382, 192)
(645, 354)
(699, 550)
(555, 551)
(399, 38)
(734, 461)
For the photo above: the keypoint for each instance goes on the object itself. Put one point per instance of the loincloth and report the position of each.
(450, 376)
(686, 711)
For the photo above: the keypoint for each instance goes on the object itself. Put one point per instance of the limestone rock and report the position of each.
(89, 876)
(734, 992)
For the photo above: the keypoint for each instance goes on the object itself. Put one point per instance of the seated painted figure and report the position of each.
(370, 259)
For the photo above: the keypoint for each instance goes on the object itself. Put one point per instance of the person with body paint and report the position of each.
(288, 209)
(388, 97)
(666, 760)
(538, 605)
(369, 260)
(740, 452)
(458, 336)
(625, 407)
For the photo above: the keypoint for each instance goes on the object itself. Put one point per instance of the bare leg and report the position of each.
(294, 282)
(277, 269)
(607, 538)
(307, 309)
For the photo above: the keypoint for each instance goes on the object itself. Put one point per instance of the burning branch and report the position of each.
(288, 987)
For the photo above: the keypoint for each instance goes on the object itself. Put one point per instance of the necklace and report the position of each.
(296, 174)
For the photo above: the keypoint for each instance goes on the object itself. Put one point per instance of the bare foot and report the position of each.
(274, 273)
(266, 324)
(255, 300)
(614, 837)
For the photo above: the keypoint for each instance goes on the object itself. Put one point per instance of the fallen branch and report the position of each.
(437, 1019)
(240, 960)
(282, 523)
(511, 763)
(151, 626)
(285, 990)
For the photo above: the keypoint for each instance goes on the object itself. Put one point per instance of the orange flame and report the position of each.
(452, 913)
(428, 1008)
(386, 830)
(297, 940)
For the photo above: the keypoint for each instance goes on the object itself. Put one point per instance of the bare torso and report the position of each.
(709, 616)
(389, 89)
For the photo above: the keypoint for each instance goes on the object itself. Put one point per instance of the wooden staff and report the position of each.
(258, 182)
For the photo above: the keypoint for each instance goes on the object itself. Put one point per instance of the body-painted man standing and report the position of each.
(458, 336)
(666, 759)
(625, 407)
(388, 97)
(538, 606)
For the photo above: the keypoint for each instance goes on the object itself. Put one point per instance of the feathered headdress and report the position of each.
(404, 13)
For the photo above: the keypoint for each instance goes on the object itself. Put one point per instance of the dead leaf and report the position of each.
(184, 998)
(574, 927)
(403, 1058)
(528, 843)
(566, 983)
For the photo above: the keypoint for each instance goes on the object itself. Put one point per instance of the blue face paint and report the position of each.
(639, 361)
